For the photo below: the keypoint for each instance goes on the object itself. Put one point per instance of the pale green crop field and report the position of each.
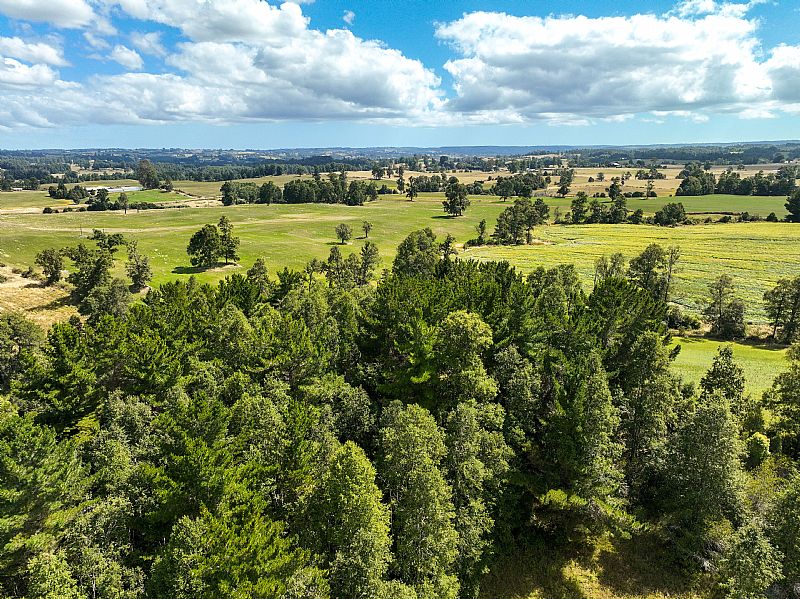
(756, 255)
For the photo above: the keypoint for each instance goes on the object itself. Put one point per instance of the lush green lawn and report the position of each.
(761, 362)
(716, 203)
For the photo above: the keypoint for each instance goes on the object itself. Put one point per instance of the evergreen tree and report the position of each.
(138, 267)
(349, 525)
(228, 244)
(793, 207)
(413, 447)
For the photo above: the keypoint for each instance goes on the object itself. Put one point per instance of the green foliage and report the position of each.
(228, 244)
(343, 233)
(724, 312)
(18, 338)
(93, 269)
(417, 255)
(146, 174)
(426, 540)
(793, 206)
(751, 565)
(138, 267)
(349, 525)
(327, 436)
(205, 246)
(52, 263)
(456, 200)
(235, 552)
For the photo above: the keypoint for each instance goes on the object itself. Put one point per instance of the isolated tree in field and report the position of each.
(205, 246)
(504, 188)
(146, 174)
(367, 226)
(456, 200)
(724, 313)
(481, 229)
(401, 184)
(413, 190)
(344, 233)
(52, 263)
(228, 244)
(123, 202)
(378, 172)
(793, 207)
(168, 186)
(138, 267)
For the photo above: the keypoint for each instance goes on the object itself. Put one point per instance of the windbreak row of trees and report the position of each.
(698, 181)
(317, 436)
(334, 190)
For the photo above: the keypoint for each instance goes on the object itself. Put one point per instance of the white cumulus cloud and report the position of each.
(62, 13)
(128, 58)
(149, 43)
(39, 52)
(577, 67)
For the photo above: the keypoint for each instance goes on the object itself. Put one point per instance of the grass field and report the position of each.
(754, 254)
(761, 362)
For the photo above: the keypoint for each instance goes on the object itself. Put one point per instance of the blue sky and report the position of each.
(252, 74)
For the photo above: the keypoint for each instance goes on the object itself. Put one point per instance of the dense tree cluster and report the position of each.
(212, 243)
(699, 181)
(515, 224)
(521, 185)
(333, 190)
(318, 436)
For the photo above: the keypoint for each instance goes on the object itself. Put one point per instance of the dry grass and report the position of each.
(43, 305)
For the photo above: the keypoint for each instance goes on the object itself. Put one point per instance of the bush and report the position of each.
(757, 450)
(49, 210)
(772, 217)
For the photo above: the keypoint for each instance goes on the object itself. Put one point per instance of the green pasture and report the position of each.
(761, 362)
(756, 255)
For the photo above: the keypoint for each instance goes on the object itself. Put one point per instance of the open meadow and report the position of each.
(755, 254)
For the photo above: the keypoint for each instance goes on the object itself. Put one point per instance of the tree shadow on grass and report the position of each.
(57, 303)
(192, 270)
(641, 565)
(536, 571)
